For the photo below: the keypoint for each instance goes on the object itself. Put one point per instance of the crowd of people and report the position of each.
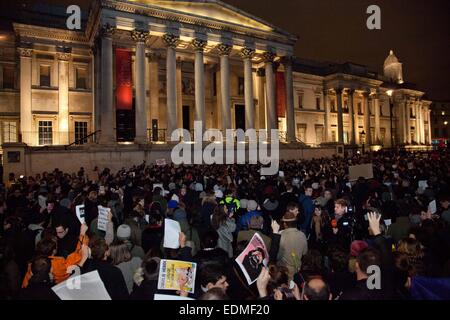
(326, 235)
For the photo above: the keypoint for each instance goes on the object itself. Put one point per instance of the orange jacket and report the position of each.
(60, 264)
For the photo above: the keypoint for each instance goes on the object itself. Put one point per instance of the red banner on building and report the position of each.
(124, 85)
(281, 95)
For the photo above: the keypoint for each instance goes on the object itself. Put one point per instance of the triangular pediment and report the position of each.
(210, 9)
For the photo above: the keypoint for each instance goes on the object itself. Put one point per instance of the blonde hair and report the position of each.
(119, 252)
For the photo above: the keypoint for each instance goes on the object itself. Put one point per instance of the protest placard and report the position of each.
(253, 258)
(102, 218)
(177, 275)
(161, 162)
(79, 210)
(87, 286)
(361, 170)
(432, 207)
(172, 231)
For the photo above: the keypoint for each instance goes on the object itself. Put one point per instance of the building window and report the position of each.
(360, 111)
(333, 136)
(345, 110)
(300, 101)
(81, 132)
(45, 132)
(81, 78)
(318, 103)
(8, 77)
(9, 131)
(382, 135)
(241, 87)
(372, 135)
(381, 109)
(301, 132)
(44, 76)
(346, 137)
(333, 105)
(319, 134)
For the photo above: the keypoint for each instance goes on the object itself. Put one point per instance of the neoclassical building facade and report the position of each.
(140, 69)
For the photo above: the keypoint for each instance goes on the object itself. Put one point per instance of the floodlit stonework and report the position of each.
(191, 61)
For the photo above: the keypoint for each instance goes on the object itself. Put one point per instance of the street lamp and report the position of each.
(363, 139)
(391, 116)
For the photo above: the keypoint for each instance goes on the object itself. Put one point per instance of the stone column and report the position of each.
(367, 118)
(171, 77)
(327, 116)
(199, 46)
(154, 88)
(247, 54)
(107, 125)
(272, 121)
(25, 95)
(428, 111)
(290, 115)
(408, 123)
(340, 118)
(140, 37)
(351, 115)
(376, 107)
(180, 94)
(97, 90)
(260, 75)
(63, 96)
(225, 103)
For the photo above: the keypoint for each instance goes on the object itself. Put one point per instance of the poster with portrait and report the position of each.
(102, 218)
(177, 275)
(254, 257)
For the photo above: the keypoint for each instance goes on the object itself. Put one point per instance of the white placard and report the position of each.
(79, 210)
(88, 286)
(432, 207)
(161, 162)
(102, 218)
(42, 201)
(172, 231)
(361, 170)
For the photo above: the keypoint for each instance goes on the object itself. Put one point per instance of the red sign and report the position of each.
(281, 95)
(124, 85)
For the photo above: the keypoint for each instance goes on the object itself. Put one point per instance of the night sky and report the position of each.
(335, 30)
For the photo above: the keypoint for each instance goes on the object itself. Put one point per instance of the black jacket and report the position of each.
(38, 291)
(111, 276)
(361, 292)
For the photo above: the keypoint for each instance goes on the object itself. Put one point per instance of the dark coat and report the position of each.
(111, 276)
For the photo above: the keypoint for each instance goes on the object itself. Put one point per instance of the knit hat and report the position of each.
(123, 232)
(172, 204)
(357, 246)
(252, 205)
(244, 203)
(218, 193)
(172, 186)
(270, 205)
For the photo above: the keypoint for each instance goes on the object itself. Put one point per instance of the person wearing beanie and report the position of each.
(123, 233)
(355, 249)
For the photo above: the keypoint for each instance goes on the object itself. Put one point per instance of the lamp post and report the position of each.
(391, 116)
(363, 139)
